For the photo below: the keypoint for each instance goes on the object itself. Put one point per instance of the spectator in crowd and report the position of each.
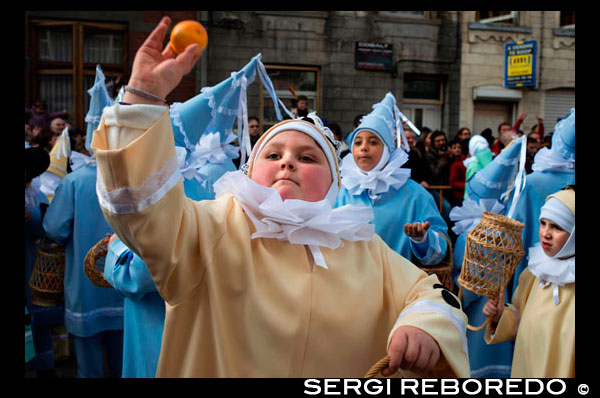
(438, 159)
(533, 147)
(28, 133)
(357, 119)
(416, 158)
(57, 125)
(254, 129)
(506, 133)
(458, 171)
(463, 133)
(536, 128)
(439, 170)
(487, 134)
(301, 108)
(44, 139)
(337, 134)
(426, 138)
(39, 115)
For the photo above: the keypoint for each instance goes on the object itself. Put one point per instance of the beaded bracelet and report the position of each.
(144, 94)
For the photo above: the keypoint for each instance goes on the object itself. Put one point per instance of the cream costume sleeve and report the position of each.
(137, 172)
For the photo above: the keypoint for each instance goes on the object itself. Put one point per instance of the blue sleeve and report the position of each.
(127, 272)
(33, 226)
(58, 221)
(433, 250)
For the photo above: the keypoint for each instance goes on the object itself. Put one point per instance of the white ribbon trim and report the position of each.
(521, 179)
(134, 200)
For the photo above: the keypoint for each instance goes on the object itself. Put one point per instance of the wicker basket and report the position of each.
(93, 264)
(493, 250)
(444, 269)
(46, 281)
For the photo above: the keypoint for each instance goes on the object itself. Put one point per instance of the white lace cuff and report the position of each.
(135, 200)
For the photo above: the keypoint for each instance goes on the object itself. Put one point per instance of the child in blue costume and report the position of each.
(553, 169)
(42, 319)
(406, 216)
(93, 315)
(202, 160)
(485, 192)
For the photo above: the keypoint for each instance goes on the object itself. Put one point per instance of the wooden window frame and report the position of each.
(76, 67)
(263, 92)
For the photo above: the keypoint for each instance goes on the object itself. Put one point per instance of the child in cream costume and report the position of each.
(541, 318)
(268, 279)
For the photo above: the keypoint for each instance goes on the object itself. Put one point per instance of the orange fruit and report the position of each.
(186, 33)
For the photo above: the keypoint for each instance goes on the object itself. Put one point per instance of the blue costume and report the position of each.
(204, 156)
(553, 169)
(395, 198)
(485, 191)
(94, 315)
(42, 318)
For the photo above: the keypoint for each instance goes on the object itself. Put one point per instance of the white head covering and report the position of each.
(476, 144)
(318, 132)
(298, 221)
(559, 269)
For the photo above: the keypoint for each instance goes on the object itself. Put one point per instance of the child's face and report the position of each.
(367, 150)
(552, 237)
(455, 150)
(295, 165)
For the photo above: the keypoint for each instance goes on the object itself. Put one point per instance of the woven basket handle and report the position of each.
(474, 328)
(378, 367)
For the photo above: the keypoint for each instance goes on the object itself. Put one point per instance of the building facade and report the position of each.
(444, 67)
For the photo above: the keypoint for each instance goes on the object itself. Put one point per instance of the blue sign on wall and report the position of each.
(520, 64)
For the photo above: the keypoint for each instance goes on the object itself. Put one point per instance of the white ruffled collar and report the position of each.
(375, 182)
(551, 270)
(313, 224)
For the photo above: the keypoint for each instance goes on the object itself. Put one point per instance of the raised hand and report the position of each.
(416, 230)
(156, 70)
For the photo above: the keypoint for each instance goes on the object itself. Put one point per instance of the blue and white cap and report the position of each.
(563, 139)
(385, 120)
(100, 100)
(494, 179)
(215, 109)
